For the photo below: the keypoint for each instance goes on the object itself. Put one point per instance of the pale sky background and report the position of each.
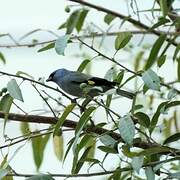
(18, 17)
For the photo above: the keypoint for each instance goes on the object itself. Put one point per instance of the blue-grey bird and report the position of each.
(80, 85)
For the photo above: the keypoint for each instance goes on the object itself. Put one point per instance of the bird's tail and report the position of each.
(124, 93)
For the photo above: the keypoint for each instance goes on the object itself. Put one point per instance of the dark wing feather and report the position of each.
(102, 82)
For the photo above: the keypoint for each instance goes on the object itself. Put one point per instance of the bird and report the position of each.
(81, 85)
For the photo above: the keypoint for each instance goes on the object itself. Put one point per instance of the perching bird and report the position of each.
(80, 85)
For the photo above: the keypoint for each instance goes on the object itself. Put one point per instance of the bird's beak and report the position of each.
(49, 79)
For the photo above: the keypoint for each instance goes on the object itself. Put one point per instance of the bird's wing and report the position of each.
(77, 77)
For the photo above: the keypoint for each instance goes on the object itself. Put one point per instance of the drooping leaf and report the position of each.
(176, 52)
(84, 119)
(127, 129)
(178, 69)
(81, 161)
(108, 18)
(83, 65)
(122, 39)
(47, 47)
(172, 138)
(119, 77)
(161, 21)
(137, 60)
(2, 58)
(161, 60)
(72, 21)
(24, 127)
(154, 51)
(143, 119)
(82, 16)
(61, 44)
(14, 90)
(151, 79)
(155, 117)
(38, 146)
(107, 149)
(40, 177)
(150, 173)
(63, 117)
(58, 143)
(137, 163)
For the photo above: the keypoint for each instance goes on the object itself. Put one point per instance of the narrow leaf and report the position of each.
(63, 117)
(127, 129)
(151, 79)
(161, 60)
(83, 65)
(47, 47)
(107, 149)
(58, 143)
(108, 18)
(72, 21)
(2, 58)
(155, 50)
(80, 22)
(14, 90)
(164, 7)
(172, 138)
(122, 39)
(178, 69)
(143, 119)
(61, 44)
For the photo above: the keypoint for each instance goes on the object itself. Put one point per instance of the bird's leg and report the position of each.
(74, 100)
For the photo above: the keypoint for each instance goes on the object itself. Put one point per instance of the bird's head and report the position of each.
(57, 75)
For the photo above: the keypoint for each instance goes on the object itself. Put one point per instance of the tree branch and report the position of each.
(116, 14)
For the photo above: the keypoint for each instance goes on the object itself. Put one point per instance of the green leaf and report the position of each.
(5, 103)
(119, 77)
(81, 161)
(83, 65)
(164, 7)
(155, 117)
(38, 146)
(176, 52)
(116, 175)
(161, 60)
(127, 129)
(143, 119)
(47, 47)
(137, 60)
(107, 149)
(72, 21)
(14, 90)
(151, 80)
(122, 39)
(160, 22)
(82, 16)
(83, 120)
(63, 117)
(38, 152)
(150, 173)
(24, 127)
(21, 73)
(172, 138)
(61, 44)
(153, 150)
(155, 50)
(2, 58)
(178, 69)
(58, 143)
(108, 18)
(40, 177)
(137, 163)
(7, 178)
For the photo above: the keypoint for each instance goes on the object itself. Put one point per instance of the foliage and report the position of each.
(141, 139)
